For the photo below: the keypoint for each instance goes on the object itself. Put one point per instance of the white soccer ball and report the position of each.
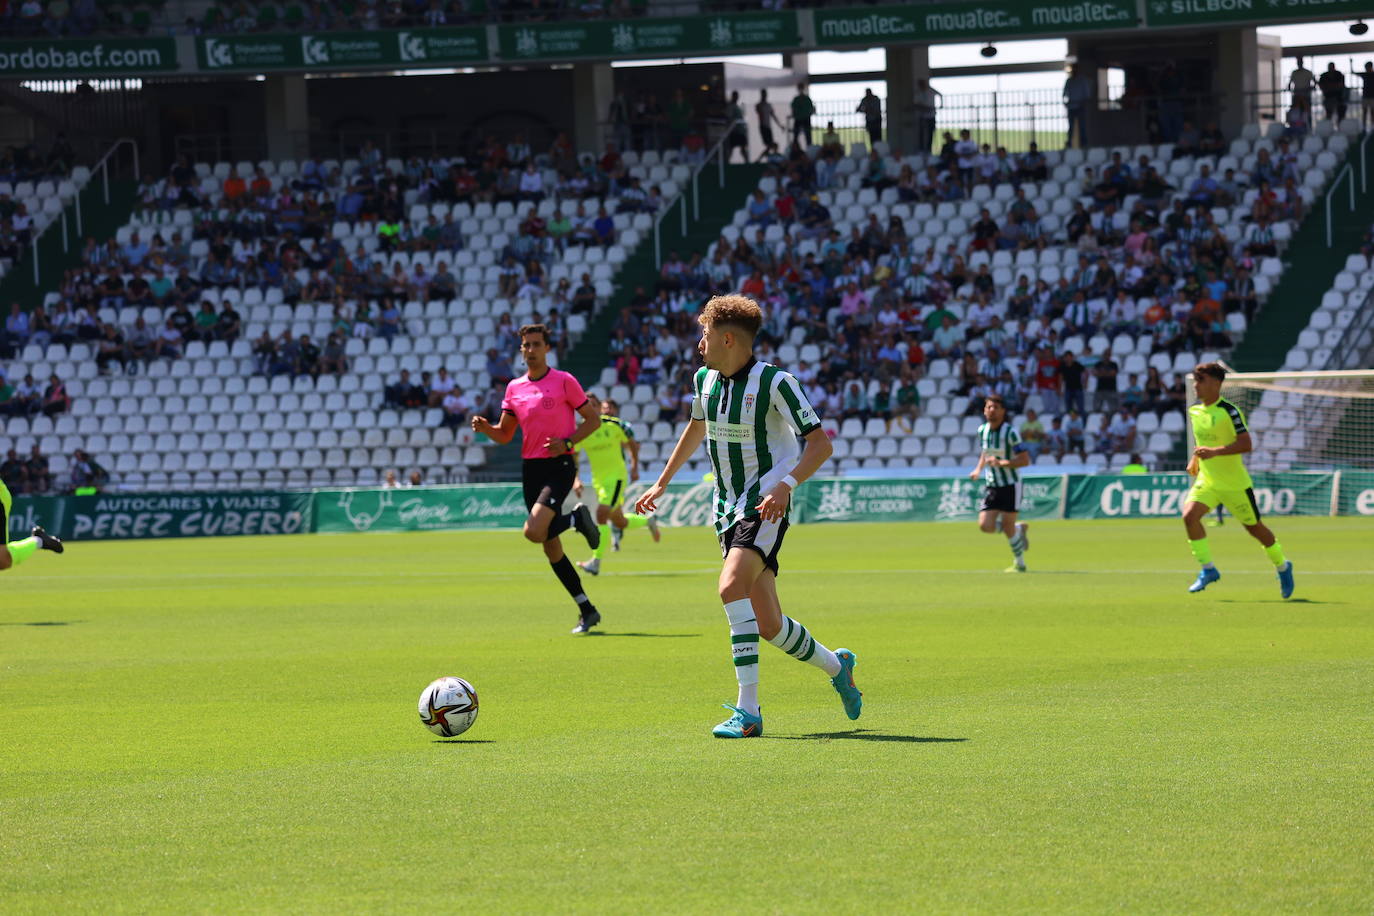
(448, 707)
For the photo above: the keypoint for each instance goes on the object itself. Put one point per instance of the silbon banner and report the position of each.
(1199, 12)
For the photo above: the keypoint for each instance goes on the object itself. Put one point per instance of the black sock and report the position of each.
(560, 524)
(567, 574)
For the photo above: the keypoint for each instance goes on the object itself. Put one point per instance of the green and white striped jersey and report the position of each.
(753, 419)
(1002, 442)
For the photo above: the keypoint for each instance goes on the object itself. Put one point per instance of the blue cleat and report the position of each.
(739, 725)
(850, 695)
(1205, 577)
(1286, 580)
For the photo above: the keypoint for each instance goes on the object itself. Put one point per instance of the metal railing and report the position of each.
(718, 153)
(1346, 174)
(1355, 342)
(102, 167)
(1016, 118)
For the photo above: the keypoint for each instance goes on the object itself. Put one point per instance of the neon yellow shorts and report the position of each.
(1241, 503)
(611, 493)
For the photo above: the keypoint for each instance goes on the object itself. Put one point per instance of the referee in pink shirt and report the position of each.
(544, 402)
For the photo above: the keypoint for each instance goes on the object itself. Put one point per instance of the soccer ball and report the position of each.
(448, 707)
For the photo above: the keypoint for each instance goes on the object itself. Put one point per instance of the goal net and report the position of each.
(1306, 420)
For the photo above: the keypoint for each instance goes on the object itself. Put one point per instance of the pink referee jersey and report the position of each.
(546, 409)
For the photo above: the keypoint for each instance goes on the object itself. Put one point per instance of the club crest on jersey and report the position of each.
(748, 402)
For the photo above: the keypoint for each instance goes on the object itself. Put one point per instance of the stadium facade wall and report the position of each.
(158, 515)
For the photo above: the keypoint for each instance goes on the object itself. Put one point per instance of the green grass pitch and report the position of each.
(230, 725)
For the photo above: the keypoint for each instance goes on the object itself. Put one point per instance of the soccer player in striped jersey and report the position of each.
(606, 450)
(750, 414)
(1222, 480)
(1001, 454)
(16, 552)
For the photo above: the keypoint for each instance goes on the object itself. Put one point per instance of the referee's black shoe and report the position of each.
(590, 617)
(47, 541)
(586, 525)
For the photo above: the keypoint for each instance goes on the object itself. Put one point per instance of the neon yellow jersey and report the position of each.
(604, 449)
(1214, 427)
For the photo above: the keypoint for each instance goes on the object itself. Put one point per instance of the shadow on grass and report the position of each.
(861, 734)
(38, 623)
(1275, 601)
(647, 635)
(462, 741)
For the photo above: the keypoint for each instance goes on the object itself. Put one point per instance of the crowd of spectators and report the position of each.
(879, 309)
(75, 18)
(26, 474)
(31, 398)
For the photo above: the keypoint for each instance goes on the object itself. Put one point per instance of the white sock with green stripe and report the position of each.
(801, 645)
(744, 646)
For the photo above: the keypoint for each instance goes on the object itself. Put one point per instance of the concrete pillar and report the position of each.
(905, 67)
(593, 90)
(287, 120)
(1237, 77)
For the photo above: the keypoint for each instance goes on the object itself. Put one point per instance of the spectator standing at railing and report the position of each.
(927, 104)
(1079, 93)
(1300, 82)
(871, 107)
(767, 117)
(1332, 84)
(738, 137)
(802, 110)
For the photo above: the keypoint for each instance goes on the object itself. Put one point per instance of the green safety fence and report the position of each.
(340, 511)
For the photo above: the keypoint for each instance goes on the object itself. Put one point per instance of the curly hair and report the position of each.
(737, 312)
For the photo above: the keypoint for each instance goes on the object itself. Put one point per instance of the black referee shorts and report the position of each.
(548, 481)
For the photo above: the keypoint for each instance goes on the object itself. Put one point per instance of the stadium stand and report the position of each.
(240, 400)
(1002, 248)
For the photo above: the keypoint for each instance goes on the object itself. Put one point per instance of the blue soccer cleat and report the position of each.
(850, 695)
(1205, 577)
(1286, 580)
(739, 725)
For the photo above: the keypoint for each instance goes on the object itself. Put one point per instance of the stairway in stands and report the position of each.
(99, 220)
(588, 358)
(1299, 292)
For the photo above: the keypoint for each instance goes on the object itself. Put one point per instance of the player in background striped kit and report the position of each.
(1001, 453)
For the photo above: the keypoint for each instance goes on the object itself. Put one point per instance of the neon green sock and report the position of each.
(635, 521)
(600, 551)
(1202, 551)
(22, 550)
(1275, 554)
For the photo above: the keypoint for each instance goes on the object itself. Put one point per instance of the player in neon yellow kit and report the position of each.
(1222, 438)
(606, 450)
(16, 552)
